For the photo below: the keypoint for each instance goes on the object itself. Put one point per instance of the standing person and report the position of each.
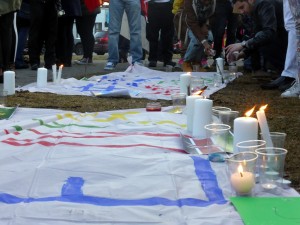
(85, 28)
(23, 25)
(222, 18)
(289, 73)
(7, 10)
(116, 11)
(160, 31)
(294, 8)
(65, 39)
(196, 14)
(43, 30)
(270, 36)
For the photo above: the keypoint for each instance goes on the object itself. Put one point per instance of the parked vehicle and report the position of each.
(100, 46)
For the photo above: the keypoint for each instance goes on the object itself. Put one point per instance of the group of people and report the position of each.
(271, 46)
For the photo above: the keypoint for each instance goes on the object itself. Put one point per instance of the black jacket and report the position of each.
(268, 21)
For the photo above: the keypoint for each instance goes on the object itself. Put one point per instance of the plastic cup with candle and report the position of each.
(227, 117)
(179, 102)
(217, 109)
(3, 98)
(197, 84)
(241, 167)
(220, 65)
(278, 139)
(217, 136)
(271, 167)
(250, 145)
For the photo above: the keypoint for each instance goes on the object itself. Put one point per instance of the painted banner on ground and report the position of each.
(138, 81)
(118, 167)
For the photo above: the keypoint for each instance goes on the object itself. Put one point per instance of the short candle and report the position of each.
(242, 182)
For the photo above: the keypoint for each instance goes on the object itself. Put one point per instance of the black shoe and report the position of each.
(152, 64)
(170, 63)
(35, 66)
(280, 82)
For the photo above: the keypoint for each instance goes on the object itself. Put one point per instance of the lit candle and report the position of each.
(202, 117)
(245, 128)
(190, 106)
(54, 73)
(41, 77)
(263, 124)
(185, 82)
(242, 182)
(9, 82)
(59, 73)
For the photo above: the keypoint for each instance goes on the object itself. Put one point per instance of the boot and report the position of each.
(187, 67)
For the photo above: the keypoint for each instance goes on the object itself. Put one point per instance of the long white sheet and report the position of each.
(118, 167)
(139, 81)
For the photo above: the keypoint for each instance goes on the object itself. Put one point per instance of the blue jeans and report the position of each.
(195, 50)
(22, 36)
(133, 11)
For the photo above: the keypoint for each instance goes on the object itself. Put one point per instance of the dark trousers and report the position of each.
(223, 17)
(65, 40)
(6, 32)
(43, 30)
(85, 25)
(160, 31)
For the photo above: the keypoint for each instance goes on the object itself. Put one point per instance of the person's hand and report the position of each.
(233, 48)
(235, 56)
(207, 48)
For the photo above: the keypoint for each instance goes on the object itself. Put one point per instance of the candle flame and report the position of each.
(61, 66)
(198, 92)
(249, 113)
(189, 73)
(240, 170)
(262, 108)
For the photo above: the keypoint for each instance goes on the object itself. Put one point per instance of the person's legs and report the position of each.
(116, 11)
(152, 32)
(6, 27)
(133, 11)
(22, 38)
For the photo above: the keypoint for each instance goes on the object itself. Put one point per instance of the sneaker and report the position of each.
(110, 66)
(84, 61)
(293, 91)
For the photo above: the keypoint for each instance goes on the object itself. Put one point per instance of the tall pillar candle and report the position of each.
(9, 82)
(220, 65)
(54, 73)
(244, 129)
(42, 77)
(190, 105)
(59, 73)
(185, 82)
(263, 124)
(202, 117)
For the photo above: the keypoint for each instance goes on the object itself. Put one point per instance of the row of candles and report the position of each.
(9, 78)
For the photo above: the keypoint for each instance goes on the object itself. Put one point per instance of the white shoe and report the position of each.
(293, 91)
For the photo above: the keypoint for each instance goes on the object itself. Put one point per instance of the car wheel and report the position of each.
(78, 49)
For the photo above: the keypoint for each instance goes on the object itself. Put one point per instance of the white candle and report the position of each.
(242, 182)
(190, 105)
(220, 65)
(9, 82)
(185, 82)
(54, 73)
(41, 77)
(263, 124)
(202, 116)
(244, 129)
(59, 73)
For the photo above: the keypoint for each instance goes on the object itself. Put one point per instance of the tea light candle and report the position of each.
(190, 107)
(242, 182)
(185, 82)
(269, 186)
